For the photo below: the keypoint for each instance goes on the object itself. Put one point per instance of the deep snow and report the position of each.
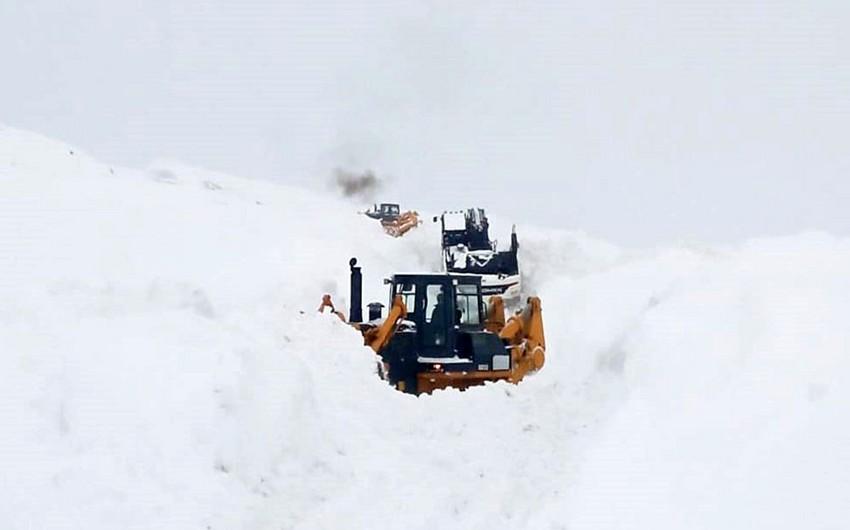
(162, 365)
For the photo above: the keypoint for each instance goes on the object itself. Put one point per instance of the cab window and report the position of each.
(407, 290)
(434, 330)
(467, 305)
(434, 303)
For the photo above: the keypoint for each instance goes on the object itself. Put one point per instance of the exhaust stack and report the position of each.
(356, 311)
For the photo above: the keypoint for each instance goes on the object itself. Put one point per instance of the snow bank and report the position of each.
(163, 366)
(734, 380)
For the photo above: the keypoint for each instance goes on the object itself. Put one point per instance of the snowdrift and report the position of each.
(163, 366)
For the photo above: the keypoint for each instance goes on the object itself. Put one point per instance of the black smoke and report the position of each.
(362, 185)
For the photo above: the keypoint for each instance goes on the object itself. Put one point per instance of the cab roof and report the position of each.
(467, 278)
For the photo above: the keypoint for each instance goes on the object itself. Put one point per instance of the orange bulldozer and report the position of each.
(395, 222)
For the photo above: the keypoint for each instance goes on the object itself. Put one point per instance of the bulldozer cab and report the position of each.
(385, 211)
(389, 211)
(440, 307)
(388, 208)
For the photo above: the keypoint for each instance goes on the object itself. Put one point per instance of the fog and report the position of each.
(645, 123)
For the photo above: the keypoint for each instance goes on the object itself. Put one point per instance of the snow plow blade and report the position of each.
(402, 224)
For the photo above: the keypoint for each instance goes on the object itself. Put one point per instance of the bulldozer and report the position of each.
(395, 222)
(439, 333)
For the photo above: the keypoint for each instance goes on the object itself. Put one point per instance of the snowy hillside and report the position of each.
(163, 366)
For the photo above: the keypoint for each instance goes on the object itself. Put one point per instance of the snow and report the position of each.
(442, 360)
(163, 366)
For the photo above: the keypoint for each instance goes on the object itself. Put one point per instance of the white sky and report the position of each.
(642, 122)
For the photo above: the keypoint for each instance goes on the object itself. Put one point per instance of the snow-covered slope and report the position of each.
(163, 366)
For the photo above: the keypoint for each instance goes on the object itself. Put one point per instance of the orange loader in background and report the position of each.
(395, 222)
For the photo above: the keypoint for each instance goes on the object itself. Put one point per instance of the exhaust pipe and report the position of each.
(355, 314)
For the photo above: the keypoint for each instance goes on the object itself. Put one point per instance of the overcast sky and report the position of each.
(641, 122)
